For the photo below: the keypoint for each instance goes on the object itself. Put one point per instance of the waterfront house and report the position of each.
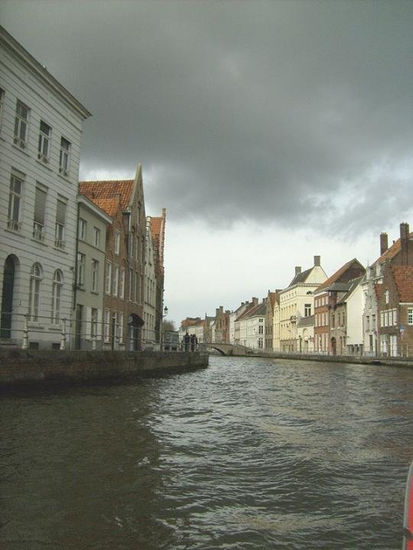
(345, 319)
(326, 298)
(297, 301)
(395, 310)
(399, 253)
(40, 131)
(276, 323)
(240, 330)
(123, 200)
(269, 320)
(157, 234)
(88, 291)
(221, 326)
(252, 325)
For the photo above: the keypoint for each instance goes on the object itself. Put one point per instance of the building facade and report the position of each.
(40, 131)
(123, 200)
(89, 285)
(297, 301)
(400, 253)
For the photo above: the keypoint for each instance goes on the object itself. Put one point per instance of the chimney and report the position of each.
(297, 270)
(254, 301)
(404, 243)
(317, 261)
(384, 243)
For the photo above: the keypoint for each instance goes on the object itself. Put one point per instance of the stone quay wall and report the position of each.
(36, 367)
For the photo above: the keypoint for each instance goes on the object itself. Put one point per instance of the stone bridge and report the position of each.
(226, 349)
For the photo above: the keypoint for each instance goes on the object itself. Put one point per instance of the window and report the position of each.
(115, 280)
(117, 242)
(95, 276)
(122, 284)
(82, 229)
(131, 286)
(386, 296)
(64, 158)
(120, 327)
(56, 296)
(96, 237)
(410, 316)
(39, 213)
(106, 325)
(60, 223)
(94, 323)
(307, 310)
(260, 329)
(108, 277)
(15, 201)
(20, 124)
(34, 291)
(44, 142)
(137, 289)
(81, 263)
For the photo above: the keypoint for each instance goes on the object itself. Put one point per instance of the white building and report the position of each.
(296, 301)
(252, 327)
(40, 130)
(87, 331)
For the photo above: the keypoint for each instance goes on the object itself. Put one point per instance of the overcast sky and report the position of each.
(270, 131)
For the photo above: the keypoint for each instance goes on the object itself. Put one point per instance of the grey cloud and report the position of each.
(253, 110)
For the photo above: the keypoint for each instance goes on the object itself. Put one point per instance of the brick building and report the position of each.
(123, 200)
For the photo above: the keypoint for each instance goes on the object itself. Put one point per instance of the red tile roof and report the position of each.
(403, 277)
(108, 195)
(391, 252)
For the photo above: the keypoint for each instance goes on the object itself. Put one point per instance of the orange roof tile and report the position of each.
(391, 252)
(108, 194)
(403, 277)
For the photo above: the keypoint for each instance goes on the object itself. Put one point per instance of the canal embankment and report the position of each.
(406, 362)
(33, 367)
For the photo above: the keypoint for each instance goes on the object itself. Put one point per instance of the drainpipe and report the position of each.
(76, 251)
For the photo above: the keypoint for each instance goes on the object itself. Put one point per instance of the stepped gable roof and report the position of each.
(335, 278)
(403, 277)
(301, 277)
(109, 195)
(391, 252)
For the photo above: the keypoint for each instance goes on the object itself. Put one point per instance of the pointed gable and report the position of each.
(347, 272)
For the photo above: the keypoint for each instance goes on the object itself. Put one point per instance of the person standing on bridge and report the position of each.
(194, 342)
(187, 340)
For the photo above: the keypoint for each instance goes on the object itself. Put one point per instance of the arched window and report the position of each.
(36, 275)
(56, 295)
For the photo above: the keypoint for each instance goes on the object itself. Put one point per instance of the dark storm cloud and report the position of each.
(259, 110)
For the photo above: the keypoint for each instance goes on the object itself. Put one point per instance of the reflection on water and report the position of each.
(248, 454)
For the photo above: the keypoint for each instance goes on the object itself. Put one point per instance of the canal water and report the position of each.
(247, 454)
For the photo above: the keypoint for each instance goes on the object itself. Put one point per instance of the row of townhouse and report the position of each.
(355, 311)
(82, 265)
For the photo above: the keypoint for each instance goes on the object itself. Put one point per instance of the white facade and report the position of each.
(354, 309)
(90, 264)
(255, 329)
(40, 130)
(297, 301)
